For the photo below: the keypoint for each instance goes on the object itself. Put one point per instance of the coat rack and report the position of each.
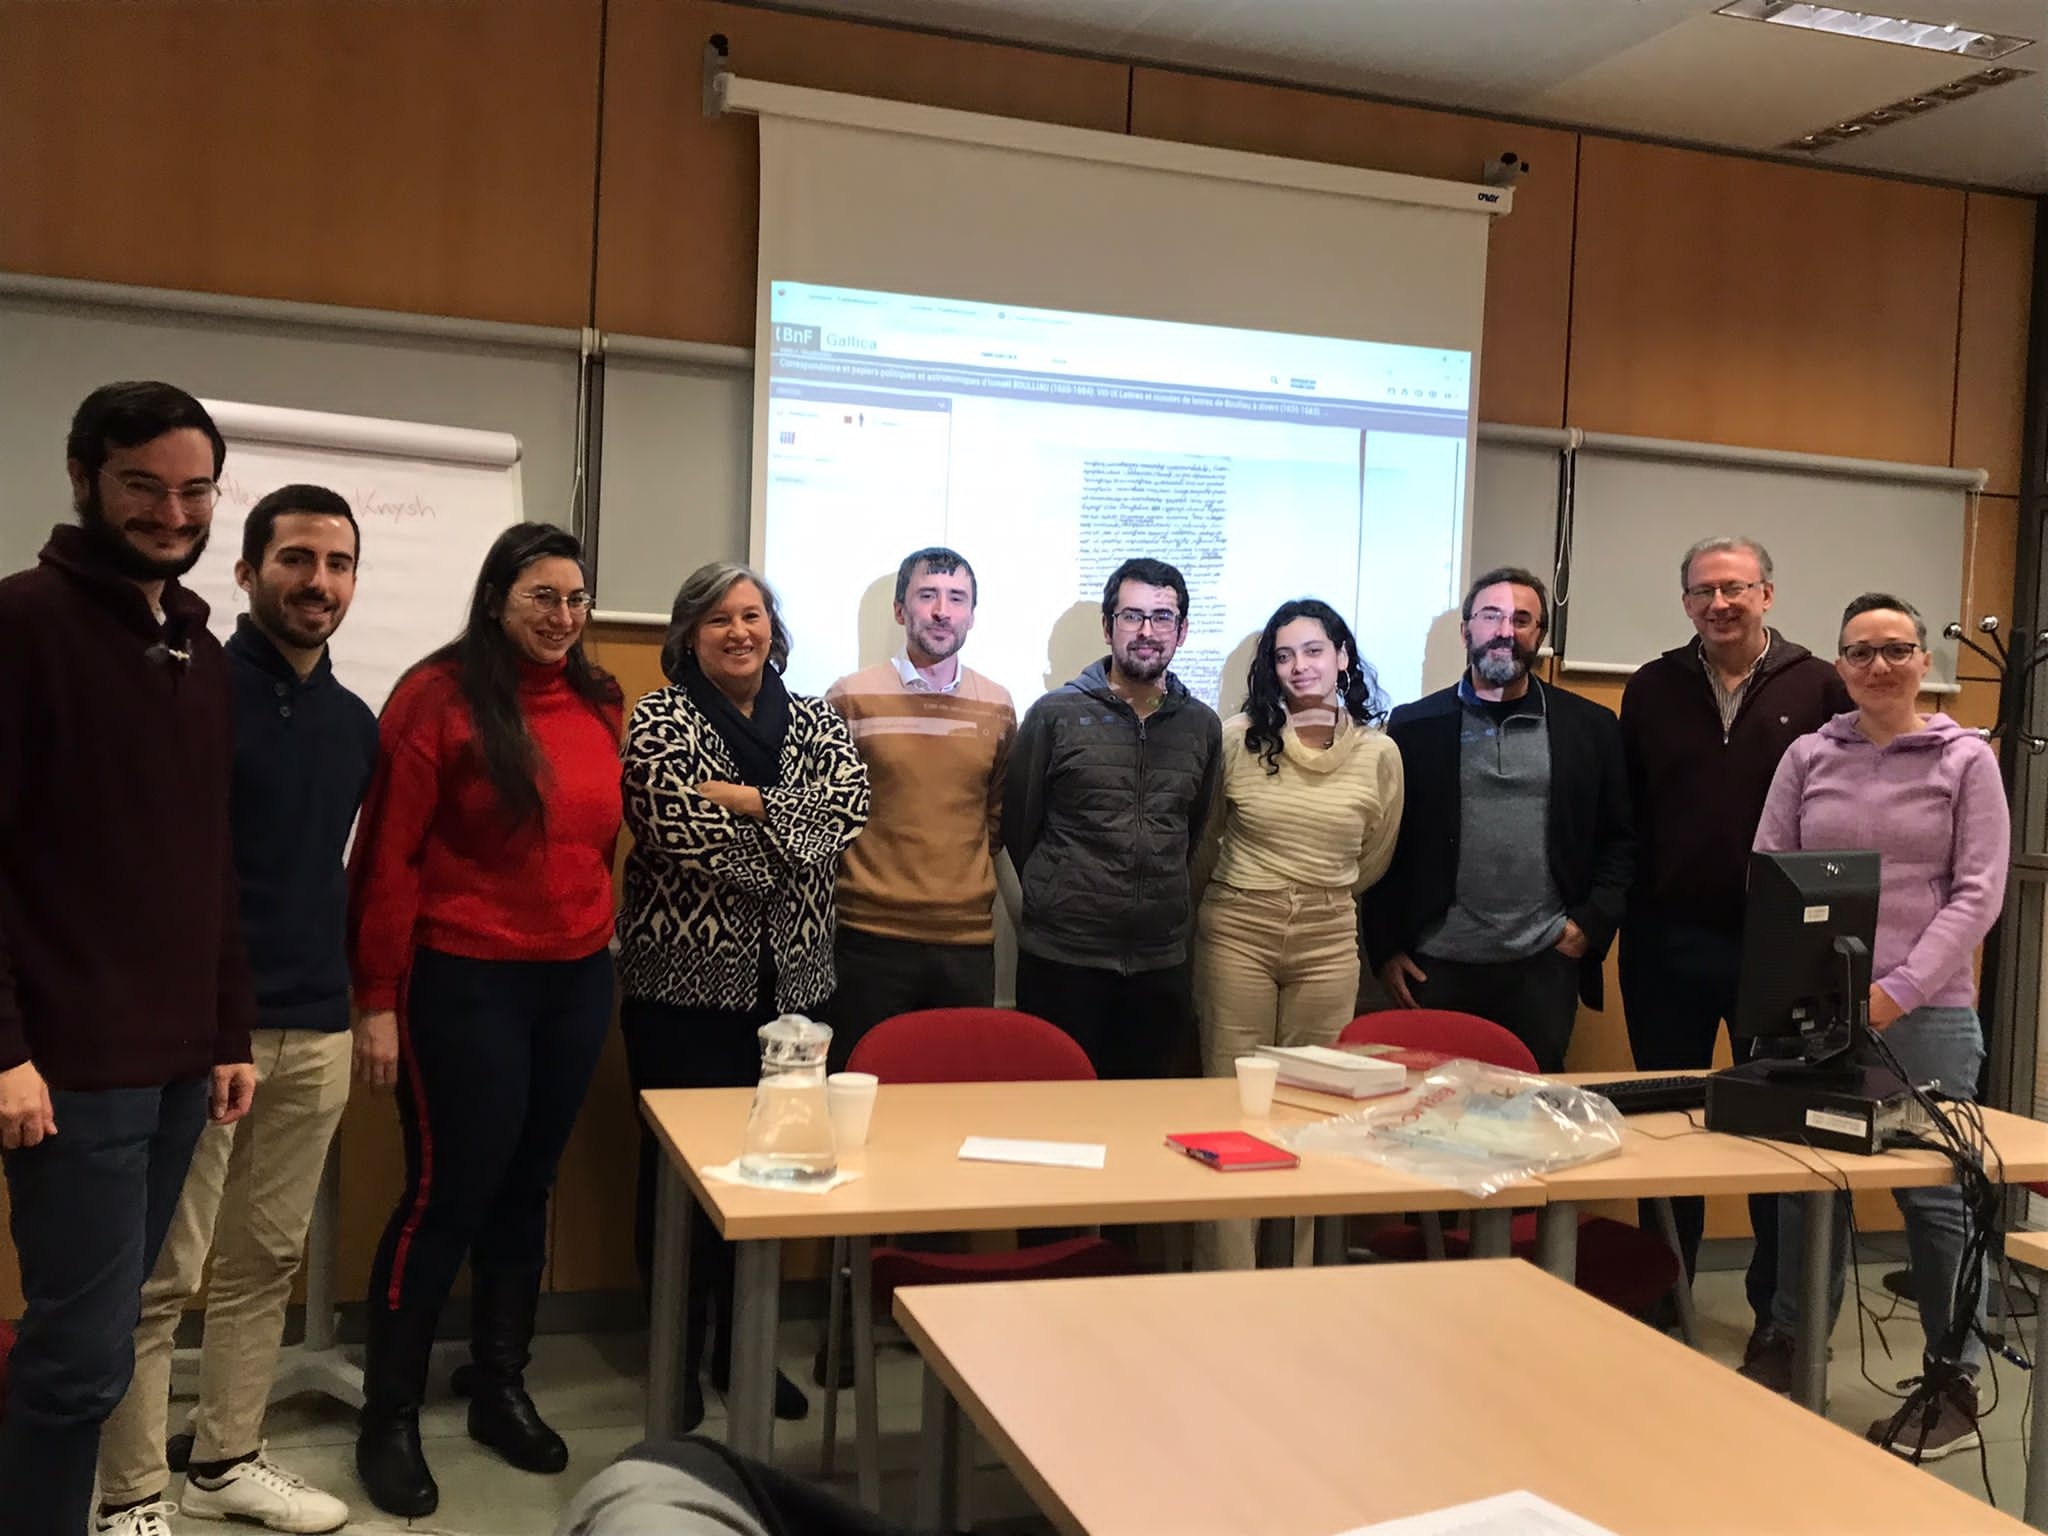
(2012, 674)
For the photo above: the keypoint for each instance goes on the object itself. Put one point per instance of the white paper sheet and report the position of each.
(1507, 1514)
(729, 1173)
(1049, 1154)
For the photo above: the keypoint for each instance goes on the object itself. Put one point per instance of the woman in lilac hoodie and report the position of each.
(1926, 794)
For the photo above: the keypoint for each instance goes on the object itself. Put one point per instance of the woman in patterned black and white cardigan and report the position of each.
(740, 796)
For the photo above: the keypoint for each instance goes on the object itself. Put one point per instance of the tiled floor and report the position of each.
(589, 1388)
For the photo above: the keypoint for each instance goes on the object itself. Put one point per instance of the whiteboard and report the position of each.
(1514, 505)
(429, 500)
(55, 349)
(1831, 536)
(674, 458)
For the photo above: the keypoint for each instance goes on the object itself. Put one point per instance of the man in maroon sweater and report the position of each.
(125, 1000)
(1703, 727)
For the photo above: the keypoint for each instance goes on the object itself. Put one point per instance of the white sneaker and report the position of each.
(143, 1520)
(260, 1492)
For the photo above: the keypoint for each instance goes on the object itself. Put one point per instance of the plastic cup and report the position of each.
(1256, 1076)
(850, 1100)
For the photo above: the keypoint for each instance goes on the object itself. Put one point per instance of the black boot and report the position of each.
(389, 1460)
(790, 1402)
(501, 1415)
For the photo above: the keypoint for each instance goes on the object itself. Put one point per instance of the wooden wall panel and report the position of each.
(437, 158)
(372, 1177)
(1988, 583)
(592, 1246)
(678, 216)
(1991, 370)
(1736, 301)
(1528, 274)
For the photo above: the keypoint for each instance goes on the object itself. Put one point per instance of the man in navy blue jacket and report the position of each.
(304, 748)
(1516, 846)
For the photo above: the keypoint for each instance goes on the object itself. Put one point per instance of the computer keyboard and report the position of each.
(1647, 1095)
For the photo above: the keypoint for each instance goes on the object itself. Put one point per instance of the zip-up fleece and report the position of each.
(1932, 804)
(1698, 791)
(1102, 814)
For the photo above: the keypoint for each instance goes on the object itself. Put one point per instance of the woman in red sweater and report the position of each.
(480, 910)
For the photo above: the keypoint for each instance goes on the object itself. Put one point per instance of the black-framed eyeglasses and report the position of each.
(1729, 591)
(1895, 652)
(1158, 620)
(193, 495)
(548, 600)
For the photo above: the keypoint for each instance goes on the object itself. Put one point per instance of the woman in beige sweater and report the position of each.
(1309, 803)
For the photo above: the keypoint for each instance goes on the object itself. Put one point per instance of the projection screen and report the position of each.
(1053, 348)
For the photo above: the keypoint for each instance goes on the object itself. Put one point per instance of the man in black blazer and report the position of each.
(1516, 851)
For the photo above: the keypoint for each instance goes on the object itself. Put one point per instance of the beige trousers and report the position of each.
(1271, 968)
(248, 1200)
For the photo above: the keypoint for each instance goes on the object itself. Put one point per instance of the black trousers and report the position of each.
(1678, 983)
(1137, 1025)
(89, 1208)
(495, 1057)
(1536, 999)
(668, 1046)
(880, 977)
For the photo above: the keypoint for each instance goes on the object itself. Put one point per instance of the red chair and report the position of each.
(947, 1045)
(1623, 1265)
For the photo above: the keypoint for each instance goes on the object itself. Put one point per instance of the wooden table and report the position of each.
(1673, 1154)
(912, 1180)
(2031, 1249)
(1305, 1402)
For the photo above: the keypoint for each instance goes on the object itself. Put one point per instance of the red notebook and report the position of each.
(1232, 1151)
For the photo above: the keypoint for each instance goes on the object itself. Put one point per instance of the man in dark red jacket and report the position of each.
(1703, 727)
(125, 1001)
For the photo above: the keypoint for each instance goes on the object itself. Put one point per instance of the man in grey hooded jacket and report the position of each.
(1108, 783)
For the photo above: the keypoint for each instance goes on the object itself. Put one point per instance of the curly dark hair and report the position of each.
(1358, 686)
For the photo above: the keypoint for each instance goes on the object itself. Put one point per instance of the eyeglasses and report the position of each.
(1519, 619)
(1895, 652)
(1730, 591)
(548, 600)
(193, 496)
(1159, 619)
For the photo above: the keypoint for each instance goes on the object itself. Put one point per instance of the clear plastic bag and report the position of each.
(1474, 1127)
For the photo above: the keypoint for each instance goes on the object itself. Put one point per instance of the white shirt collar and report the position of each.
(915, 681)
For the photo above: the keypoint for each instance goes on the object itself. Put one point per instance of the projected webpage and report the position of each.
(1047, 447)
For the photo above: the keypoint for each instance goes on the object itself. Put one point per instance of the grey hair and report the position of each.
(1724, 543)
(703, 590)
(1884, 602)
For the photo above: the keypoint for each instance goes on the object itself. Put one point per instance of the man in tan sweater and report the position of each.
(917, 888)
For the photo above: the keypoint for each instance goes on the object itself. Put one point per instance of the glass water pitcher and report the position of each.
(789, 1130)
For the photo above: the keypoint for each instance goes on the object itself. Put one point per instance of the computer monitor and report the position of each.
(1807, 931)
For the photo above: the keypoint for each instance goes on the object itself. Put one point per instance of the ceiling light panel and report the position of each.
(1932, 35)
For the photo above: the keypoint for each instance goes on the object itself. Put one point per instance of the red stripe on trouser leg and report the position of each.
(424, 1185)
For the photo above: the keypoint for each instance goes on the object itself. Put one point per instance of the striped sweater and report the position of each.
(1326, 820)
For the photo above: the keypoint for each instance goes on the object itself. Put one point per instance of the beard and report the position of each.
(114, 545)
(288, 621)
(1143, 669)
(937, 644)
(1500, 662)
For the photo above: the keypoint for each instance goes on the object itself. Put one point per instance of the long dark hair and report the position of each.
(1358, 686)
(487, 667)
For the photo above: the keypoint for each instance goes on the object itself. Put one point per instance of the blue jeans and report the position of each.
(1936, 1046)
(89, 1210)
